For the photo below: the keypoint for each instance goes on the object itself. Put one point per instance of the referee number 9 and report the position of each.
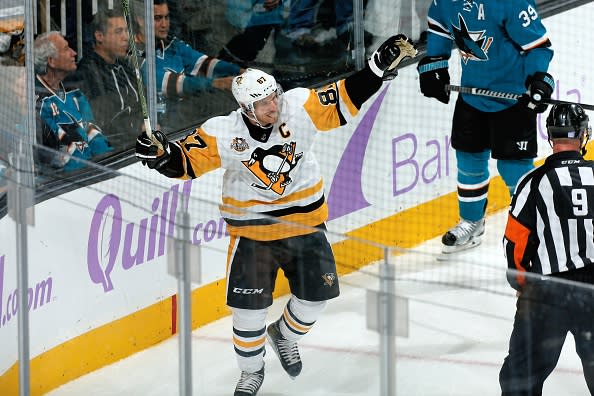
(579, 199)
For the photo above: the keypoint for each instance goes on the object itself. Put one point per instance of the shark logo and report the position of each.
(72, 127)
(72, 120)
(272, 166)
(473, 45)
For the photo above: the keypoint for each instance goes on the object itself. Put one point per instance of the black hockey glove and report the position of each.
(540, 87)
(433, 77)
(70, 134)
(387, 57)
(65, 139)
(154, 151)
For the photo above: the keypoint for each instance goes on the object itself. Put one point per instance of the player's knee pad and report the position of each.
(299, 317)
(473, 168)
(512, 170)
(249, 337)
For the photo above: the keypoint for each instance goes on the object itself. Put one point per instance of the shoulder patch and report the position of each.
(239, 144)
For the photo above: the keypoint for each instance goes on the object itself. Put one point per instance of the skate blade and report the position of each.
(448, 254)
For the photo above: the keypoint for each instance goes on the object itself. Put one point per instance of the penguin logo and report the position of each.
(272, 166)
(329, 278)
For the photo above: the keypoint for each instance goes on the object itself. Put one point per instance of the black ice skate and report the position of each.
(287, 351)
(465, 235)
(249, 383)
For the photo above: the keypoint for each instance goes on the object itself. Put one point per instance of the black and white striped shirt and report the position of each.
(550, 226)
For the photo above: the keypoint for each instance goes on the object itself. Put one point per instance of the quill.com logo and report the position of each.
(38, 295)
(114, 243)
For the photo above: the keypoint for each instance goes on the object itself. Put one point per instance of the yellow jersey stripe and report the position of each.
(298, 224)
(249, 344)
(353, 110)
(295, 325)
(296, 196)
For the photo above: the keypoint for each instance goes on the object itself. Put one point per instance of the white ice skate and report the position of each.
(465, 235)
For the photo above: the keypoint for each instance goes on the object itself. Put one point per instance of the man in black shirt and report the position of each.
(108, 79)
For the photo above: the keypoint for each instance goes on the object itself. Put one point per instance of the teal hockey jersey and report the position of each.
(501, 43)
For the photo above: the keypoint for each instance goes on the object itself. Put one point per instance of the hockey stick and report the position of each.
(135, 65)
(507, 95)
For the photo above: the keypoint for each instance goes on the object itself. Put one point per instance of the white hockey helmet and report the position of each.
(251, 86)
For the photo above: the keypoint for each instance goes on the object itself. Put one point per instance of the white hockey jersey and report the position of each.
(271, 189)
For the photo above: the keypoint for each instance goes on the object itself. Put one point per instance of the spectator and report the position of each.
(183, 72)
(194, 21)
(65, 121)
(409, 15)
(108, 80)
(12, 36)
(302, 19)
(13, 110)
(319, 32)
(256, 19)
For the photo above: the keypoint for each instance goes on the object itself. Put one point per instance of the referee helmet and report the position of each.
(568, 121)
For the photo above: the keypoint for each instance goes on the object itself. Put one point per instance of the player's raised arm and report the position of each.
(381, 66)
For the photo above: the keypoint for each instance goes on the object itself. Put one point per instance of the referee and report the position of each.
(549, 245)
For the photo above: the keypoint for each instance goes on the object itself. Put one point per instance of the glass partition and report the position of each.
(126, 268)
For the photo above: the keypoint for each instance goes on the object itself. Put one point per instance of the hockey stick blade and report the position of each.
(507, 95)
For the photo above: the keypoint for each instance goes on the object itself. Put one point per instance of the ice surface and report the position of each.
(461, 314)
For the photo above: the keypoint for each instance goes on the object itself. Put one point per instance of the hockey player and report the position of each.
(503, 46)
(273, 199)
(549, 232)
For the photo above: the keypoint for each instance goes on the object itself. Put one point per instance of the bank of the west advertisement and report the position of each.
(98, 256)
